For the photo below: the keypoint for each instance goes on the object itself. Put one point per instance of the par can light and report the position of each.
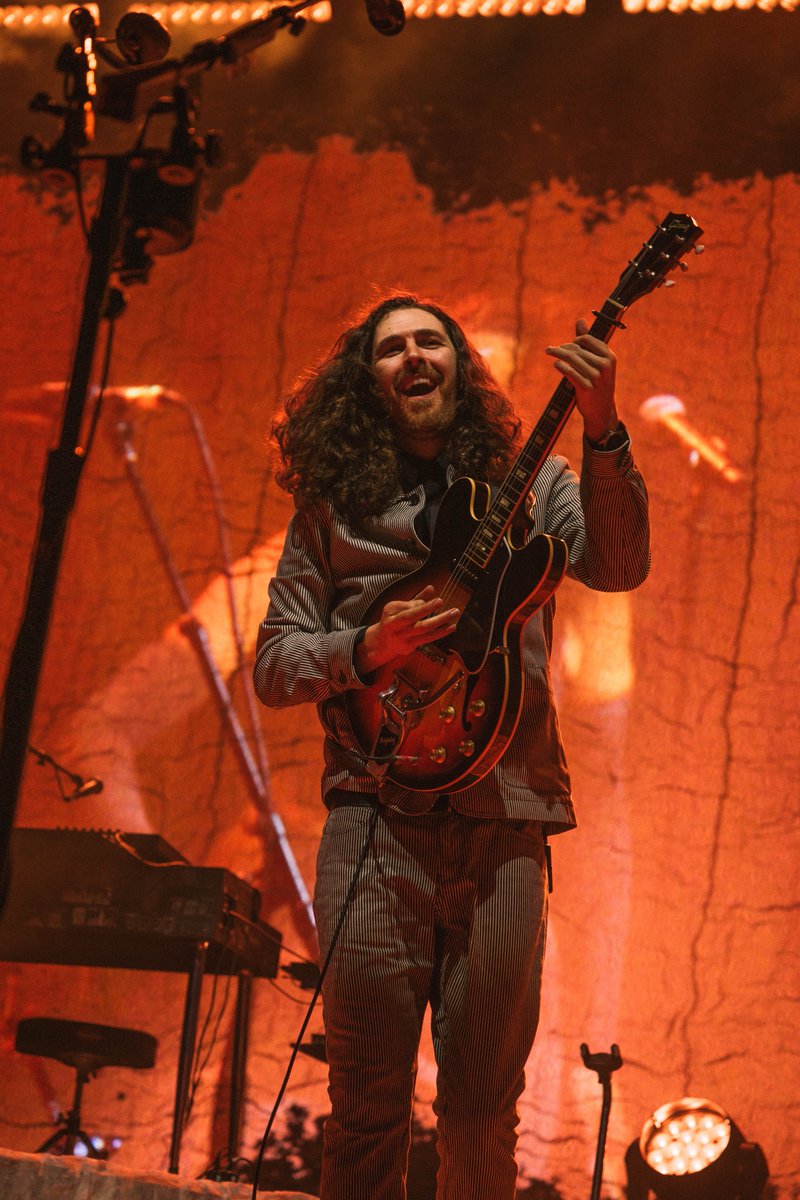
(685, 1137)
(690, 1149)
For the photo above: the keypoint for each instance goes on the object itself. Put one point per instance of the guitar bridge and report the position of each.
(425, 698)
(433, 653)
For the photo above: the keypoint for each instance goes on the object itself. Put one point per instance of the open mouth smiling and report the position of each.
(418, 387)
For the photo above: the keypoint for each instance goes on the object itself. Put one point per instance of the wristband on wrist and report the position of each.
(612, 439)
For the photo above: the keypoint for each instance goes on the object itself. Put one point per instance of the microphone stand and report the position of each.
(111, 227)
(605, 1065)
(80, 786)
(59, 491)
(255, 770)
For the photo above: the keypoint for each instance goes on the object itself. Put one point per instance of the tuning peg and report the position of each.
(669, 283)
(683, 266)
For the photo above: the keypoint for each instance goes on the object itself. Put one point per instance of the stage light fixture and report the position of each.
(690, 1149)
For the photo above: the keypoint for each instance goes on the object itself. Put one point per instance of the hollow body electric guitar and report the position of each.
(439, 719)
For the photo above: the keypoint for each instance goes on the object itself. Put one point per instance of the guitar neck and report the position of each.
(517, 484)
(674, 237)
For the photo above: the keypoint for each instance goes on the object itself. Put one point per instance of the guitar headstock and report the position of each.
(670, 242)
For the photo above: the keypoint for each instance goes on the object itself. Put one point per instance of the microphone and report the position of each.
(387, 16)
(86, 787)
(671, 412)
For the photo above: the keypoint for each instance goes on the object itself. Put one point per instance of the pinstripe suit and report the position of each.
(450, 908)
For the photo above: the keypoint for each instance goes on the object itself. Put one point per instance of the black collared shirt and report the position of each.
(432, 474)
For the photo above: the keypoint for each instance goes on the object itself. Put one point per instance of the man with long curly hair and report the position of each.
(445, 891)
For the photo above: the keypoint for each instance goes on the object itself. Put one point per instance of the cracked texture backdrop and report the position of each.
(674, 915)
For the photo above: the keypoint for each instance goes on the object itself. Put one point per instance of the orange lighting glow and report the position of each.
(36, 18)
(200, 12)
(221, 13)
(678, 6)
(670, 411)
(422, 9)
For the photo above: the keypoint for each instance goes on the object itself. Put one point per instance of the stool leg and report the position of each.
(70, 1131)
(52, 1141)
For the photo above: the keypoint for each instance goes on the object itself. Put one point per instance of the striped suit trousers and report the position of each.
(448, 911)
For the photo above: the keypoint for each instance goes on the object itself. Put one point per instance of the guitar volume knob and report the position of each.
(438, 754)
(467, 747)
(477, 708)
(448, 714)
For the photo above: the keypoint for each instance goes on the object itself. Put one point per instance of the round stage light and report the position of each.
(690, 1149)
(685, 1136)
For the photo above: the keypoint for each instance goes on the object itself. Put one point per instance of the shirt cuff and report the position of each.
(341, 660)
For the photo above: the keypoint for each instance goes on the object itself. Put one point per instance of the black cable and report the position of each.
(114, 835)
(200, 1063)
(287, 995)
(229, 1170)
(317, 991)
(297, 954)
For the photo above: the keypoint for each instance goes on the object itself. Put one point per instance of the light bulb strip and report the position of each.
(43, 19)
(53, 18)
(704, 6)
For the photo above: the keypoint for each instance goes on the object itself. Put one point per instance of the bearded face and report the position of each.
(414, 363)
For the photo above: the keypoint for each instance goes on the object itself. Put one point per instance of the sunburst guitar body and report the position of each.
(439, 719)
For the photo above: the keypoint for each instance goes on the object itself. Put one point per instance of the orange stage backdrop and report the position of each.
(674, 915)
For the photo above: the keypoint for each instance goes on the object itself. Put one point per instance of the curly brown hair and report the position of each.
(332, 423)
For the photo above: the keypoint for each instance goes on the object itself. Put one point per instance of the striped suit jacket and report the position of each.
(329, 573)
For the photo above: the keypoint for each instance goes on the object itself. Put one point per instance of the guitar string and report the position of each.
(609, 317)
(473, 554)
(606, 322)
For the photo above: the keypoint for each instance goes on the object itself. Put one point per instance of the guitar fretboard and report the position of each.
(518, 482)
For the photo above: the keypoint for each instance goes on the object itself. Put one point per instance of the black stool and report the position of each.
(86, 1048)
